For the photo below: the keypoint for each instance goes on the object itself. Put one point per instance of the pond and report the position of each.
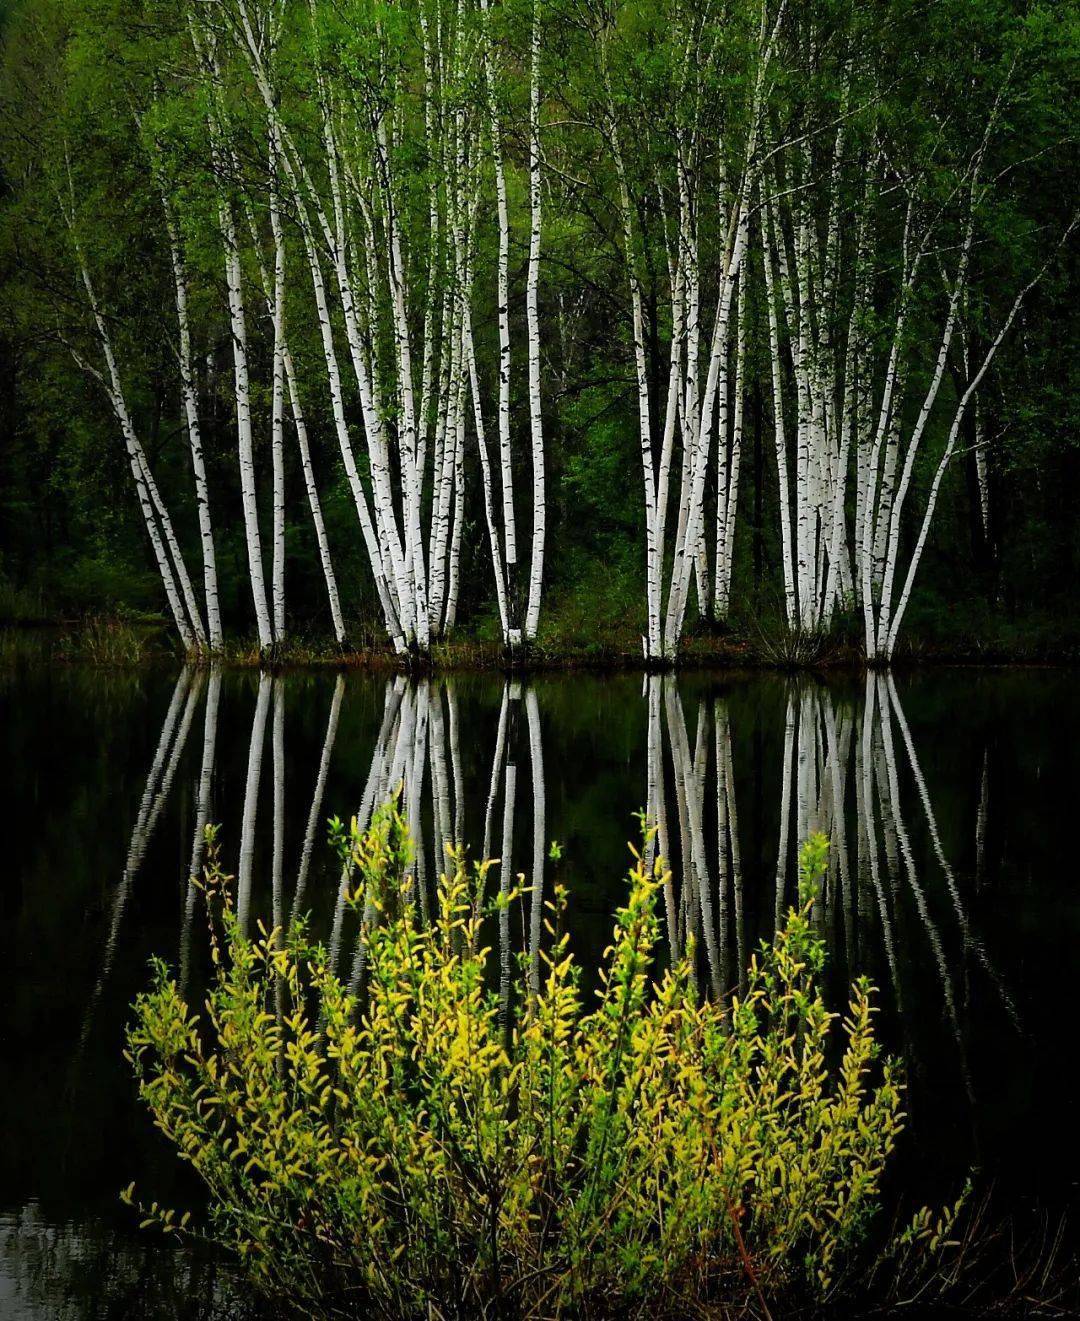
(949, 798)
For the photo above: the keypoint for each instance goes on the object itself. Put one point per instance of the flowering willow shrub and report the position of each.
(413, 1152)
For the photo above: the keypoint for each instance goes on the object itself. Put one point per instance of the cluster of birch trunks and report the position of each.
(396, 200)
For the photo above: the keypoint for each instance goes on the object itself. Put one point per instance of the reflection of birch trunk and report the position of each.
(730, 861)
(251, 802)
(317, 797)
(867, 824)
(702, 879)
(980, 821)
(689, 789)
(806, 777)
(506, 859)
(686, 895)
(866, 814)
(202, 817)
(376, 790)
(971, 941)
(414, 790)
(838, 742)
(536, 901)
(496, 769)
(785, 809)
(723, 913)
(816, 753)
(155, 792)
(933, 935)
(813, 798)
(888, 822)
(440, 786)
(454, 721)
(657, 808)
(403, 745)
(278, 860)
(278, 863)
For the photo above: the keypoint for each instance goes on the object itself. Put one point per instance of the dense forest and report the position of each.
(410, 320)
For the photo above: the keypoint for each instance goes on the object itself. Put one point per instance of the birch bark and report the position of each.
(191, 415)
(532, 316)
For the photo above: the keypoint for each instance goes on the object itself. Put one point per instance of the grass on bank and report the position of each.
(592, 619)
(430, 1149)
(112, 641)
(749, 644)
(593, 622)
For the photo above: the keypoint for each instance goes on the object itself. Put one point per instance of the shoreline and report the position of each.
(62, 644)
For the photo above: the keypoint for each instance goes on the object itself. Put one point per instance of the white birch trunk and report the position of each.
(787, 550)
(532, 318)
(191, 416)
(726, 529)
(270, 295)
(173, 575)
(238, 325)
(385, 568)
(509, 521)
(277, 397)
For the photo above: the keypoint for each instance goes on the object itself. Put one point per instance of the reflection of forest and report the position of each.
(946, 881)
(70, 1272)
(849, 769)
(944, 799)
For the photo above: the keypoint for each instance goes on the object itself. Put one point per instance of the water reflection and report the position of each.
(159, 781)
(64, 1273)
(841, 771)
(930, 889)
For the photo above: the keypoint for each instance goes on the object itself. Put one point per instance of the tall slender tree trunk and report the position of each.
(532, 318)
(191, 416)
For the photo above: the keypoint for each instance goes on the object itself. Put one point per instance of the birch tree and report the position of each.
(698, 53)
(204, 41)
(503, 535)
(156, 519)
(189, 396)
(865, 327)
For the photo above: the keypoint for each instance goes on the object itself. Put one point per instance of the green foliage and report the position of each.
(20, 605)
(416, 1153)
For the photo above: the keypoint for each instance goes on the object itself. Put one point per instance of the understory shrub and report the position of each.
(777, 641)
(109, 641)
(421, 1150)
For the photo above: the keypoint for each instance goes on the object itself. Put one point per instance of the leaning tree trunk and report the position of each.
(191, 416)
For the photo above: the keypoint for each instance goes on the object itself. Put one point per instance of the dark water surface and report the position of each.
(950, 797)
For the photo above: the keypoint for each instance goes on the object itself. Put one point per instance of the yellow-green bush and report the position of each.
(416, 1154)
